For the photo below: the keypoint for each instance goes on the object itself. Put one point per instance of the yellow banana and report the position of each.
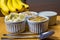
(23, 8)
(16, 5)
(0, 3)
(4, 13)
(26, 5)
(11, 8)
(4, 7)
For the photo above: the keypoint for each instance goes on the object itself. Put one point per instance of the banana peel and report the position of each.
(4, 13)
(5, 10)
(26, 6)
(9, 4)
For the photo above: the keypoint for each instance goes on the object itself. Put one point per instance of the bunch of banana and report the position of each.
(4, 8)
(11, 8)
(25, 5)
(19, 7)
(8, 6)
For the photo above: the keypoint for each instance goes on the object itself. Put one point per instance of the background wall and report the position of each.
(43, 5)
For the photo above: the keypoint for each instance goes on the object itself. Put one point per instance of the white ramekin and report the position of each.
(15, 27)
(38, 27)
(32, 12)
(51, 14)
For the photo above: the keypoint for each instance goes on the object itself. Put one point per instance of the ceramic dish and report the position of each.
(15, 23)
(29, 14)
(51, 14)
(38, 27)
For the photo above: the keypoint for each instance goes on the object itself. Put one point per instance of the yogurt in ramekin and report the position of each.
(51, 14)
(38, 27)
(29, 14)
(15, 23)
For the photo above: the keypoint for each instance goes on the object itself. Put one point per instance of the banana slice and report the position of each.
(15, 17)
(22, 17)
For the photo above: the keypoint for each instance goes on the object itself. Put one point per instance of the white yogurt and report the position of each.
(51, 14)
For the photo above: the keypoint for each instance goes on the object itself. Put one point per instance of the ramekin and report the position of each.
(38, 27)
(28, 16)
(52, 16)
(15, 27)
(32, 12)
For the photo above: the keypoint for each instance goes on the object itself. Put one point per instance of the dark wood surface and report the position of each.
(44, 5)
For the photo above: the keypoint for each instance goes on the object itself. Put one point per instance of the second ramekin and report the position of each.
(38, 27)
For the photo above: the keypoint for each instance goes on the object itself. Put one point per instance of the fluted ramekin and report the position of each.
(28, 16)
(32, 14)
(38, 27)
(51, 14)
(15, 27)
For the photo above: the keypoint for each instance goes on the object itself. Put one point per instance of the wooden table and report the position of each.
(56, 27)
